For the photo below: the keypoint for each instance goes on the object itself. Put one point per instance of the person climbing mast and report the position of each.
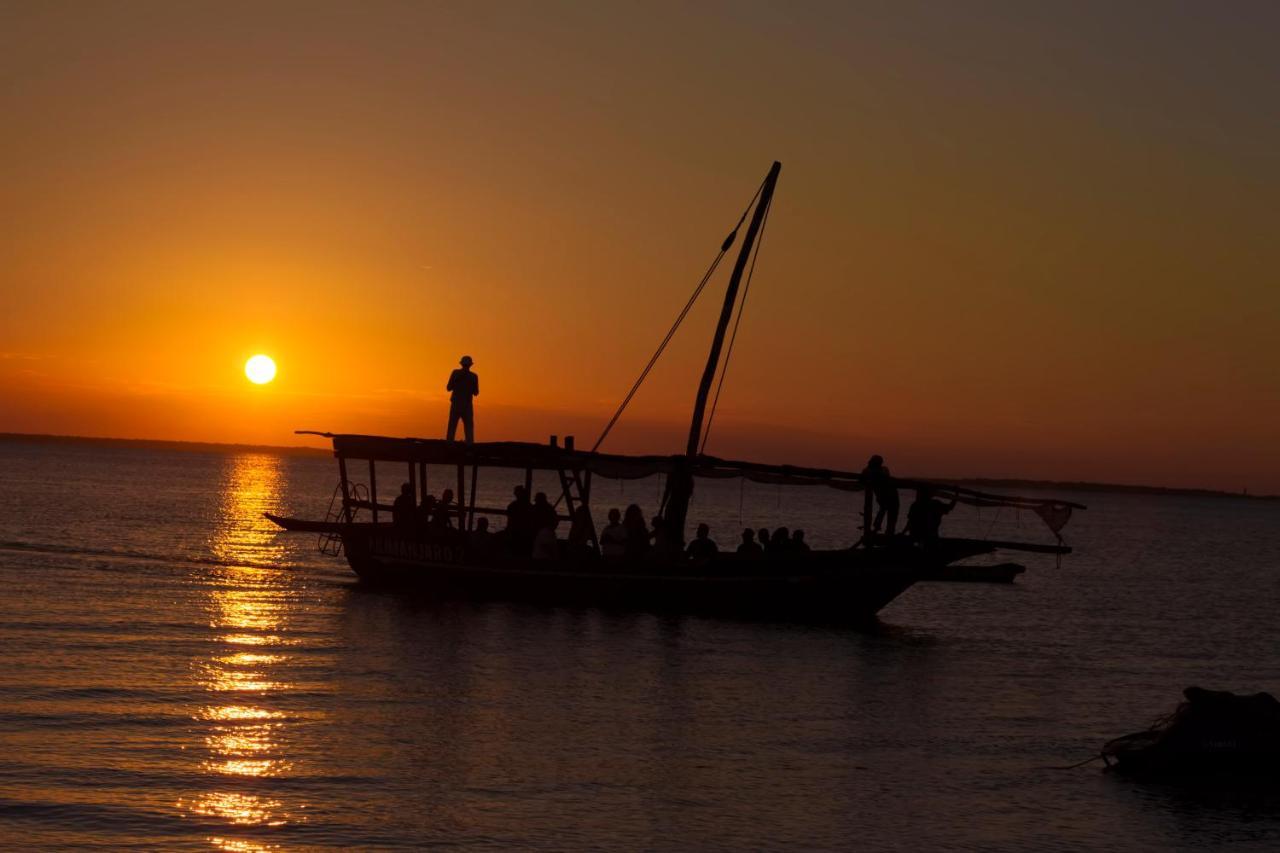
(463, 386)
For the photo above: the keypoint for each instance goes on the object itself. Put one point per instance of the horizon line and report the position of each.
(186, 446)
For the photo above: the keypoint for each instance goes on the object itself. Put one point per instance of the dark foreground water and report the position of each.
(177, 675)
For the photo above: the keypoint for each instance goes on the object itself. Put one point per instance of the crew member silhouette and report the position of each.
(463, 386)
(924, 518)
(876, 476)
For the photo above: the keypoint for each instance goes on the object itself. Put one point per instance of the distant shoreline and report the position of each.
(295, 450)
(157, 444)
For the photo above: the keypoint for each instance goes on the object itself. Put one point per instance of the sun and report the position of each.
(260, 369)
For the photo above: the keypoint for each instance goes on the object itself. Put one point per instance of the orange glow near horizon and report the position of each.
(1025, 247)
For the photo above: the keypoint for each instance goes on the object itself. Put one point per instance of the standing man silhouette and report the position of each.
(463, 386)
(878, 479)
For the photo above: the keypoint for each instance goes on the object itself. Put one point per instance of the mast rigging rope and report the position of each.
(697, 291)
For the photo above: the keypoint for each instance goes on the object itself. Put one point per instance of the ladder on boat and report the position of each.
(330, 543)
(572, 480)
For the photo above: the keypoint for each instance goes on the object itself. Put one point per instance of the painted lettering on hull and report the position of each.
(407, 549)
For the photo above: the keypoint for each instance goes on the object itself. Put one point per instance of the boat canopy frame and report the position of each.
(576, 468)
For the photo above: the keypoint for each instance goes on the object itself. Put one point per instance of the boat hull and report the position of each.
(839, 586)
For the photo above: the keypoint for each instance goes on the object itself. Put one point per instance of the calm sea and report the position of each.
(179, 675)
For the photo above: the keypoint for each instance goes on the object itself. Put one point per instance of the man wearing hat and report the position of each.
(463, 385)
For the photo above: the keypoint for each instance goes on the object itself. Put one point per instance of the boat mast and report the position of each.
(680, 486)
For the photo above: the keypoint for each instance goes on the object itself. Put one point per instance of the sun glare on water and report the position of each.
(260, 369)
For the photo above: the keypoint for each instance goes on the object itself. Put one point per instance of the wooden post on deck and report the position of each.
(471, 511)
(462, 493)
(583, 481)
(346, 492)
(373, 490)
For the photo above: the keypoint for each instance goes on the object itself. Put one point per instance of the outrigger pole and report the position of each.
(680, 485)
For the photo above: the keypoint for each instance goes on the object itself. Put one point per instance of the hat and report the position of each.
(466, 361)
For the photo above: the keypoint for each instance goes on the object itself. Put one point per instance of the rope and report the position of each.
(999, 509)
(697, 291)
(742, 305)
(1077, 764)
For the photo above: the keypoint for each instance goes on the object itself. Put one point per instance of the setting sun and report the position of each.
(260, 369)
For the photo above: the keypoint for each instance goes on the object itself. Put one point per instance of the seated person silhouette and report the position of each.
(441, 520)
(779, 542)
(404, 509)
(480, 539)
(924, 518)
(426, 511)
(749, 547)
(797, 542)
(702, 548)
(663, 545)
(544, 514)
(637, 531)
(613, 539)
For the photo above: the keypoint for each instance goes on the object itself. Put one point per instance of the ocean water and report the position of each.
(179, 675)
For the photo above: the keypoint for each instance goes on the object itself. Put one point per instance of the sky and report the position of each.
(1009, 239)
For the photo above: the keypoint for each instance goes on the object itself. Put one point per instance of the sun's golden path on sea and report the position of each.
(249, 605)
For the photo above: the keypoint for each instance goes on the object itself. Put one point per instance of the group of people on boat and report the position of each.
(531, 524)
(531, 527)
(762, 543)
(628, 536)
(434, 514)
(924, 517)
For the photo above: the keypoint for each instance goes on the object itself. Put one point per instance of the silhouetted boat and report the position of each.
(843, 584)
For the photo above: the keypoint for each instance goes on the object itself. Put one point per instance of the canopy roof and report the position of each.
(549, 457)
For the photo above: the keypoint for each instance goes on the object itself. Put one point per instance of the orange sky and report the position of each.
(1007, 241)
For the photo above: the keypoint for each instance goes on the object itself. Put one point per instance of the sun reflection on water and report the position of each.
(251, 603)
(253, 639)
(240, 809)
(236, 845)
(238, 712)
(248, 659)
